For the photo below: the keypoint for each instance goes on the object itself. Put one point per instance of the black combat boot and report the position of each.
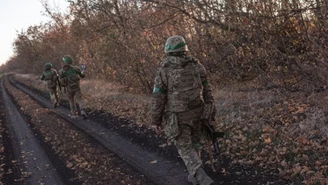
(84, 114)
(192, 180)
(203, 178)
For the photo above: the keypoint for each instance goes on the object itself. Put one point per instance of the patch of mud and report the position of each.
(7, 165)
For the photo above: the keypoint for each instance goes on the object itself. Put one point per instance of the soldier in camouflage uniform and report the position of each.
(182, 101)
(50, 76)
(69, 77)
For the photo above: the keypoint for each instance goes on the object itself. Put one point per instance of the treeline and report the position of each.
(279, 42)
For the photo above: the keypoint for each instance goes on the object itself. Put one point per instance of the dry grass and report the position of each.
(276, 129)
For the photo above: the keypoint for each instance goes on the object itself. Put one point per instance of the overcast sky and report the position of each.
(18, 15)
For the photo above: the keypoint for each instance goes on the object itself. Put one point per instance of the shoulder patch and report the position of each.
(159, 90)
(155, 90)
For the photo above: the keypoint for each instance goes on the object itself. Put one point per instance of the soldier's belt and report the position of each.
(192, 114)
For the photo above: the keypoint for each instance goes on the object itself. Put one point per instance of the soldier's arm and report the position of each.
(207, 95)
(158, 100)
(207, 89)
(55, 75)
(78, 70)
(213, 113)
(60, 74)
(42, 76)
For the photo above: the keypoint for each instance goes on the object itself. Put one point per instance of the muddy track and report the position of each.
(140, 157)
(35, 166)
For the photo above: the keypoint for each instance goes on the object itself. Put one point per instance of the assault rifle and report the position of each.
(211, 138)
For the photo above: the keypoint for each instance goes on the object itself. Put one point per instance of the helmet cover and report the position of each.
(175, 44)
(67, 59)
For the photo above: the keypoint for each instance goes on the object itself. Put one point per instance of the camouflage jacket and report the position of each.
(180, 85)
(70, 77)
(50, 76)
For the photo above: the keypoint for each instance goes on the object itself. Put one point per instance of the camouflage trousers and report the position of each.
(73, 97)
(53, 92)
(187, 143)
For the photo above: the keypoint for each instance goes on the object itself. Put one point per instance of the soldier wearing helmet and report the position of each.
(69, 77)
(182, 99)
(50, 76)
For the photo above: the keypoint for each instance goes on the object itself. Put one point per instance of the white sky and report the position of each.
(18, 15)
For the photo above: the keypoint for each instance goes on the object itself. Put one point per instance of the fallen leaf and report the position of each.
(268, 140)
(153, 162)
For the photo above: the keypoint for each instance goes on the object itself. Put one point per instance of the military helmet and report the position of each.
(48, 64)
(175, 44)
(67, 59)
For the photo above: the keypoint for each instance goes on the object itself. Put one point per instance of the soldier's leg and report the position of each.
(197, 134)
(52, 95)
(187, 150)
(56, 96)
(196, 137)
(185, 143)
(72, 105)
(78, 96)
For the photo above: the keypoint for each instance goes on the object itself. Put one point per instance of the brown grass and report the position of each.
(276, 129)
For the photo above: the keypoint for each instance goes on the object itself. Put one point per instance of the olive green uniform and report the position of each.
(181, 92)
(50, 76)
(70, 79)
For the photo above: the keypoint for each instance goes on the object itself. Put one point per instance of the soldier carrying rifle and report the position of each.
(182, 104)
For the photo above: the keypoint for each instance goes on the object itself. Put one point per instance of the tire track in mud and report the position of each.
(6, 149)
(159, 170)
(35, 166)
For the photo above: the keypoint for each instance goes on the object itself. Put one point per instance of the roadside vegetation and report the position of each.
(271, 95)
